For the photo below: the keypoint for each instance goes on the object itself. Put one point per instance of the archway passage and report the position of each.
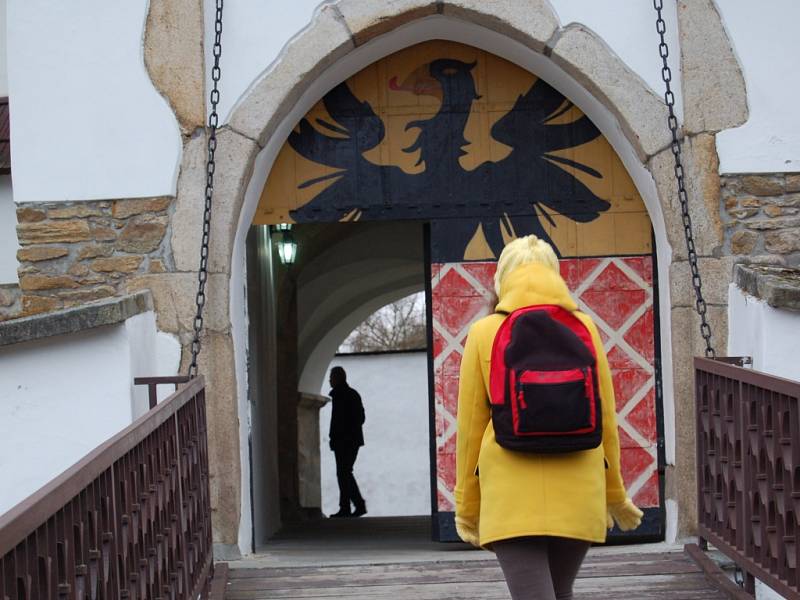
(299, 316)
(486, 152)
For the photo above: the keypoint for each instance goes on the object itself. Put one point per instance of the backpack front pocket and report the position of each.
(553, 402)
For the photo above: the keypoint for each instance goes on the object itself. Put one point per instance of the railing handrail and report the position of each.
(768, 381)
(33, 511)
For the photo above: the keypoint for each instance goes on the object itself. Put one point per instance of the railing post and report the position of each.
(152, 384)
(744, 514)
(699, 455)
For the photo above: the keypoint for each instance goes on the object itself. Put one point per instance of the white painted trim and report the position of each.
(240, 323)
(671, 531)
(446, 28)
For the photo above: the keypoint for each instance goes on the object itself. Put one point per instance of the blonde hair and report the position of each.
(523, 251)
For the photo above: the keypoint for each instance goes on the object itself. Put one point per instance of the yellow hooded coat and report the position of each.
(505, 494)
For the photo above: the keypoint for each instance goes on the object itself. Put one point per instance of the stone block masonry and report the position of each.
(762, 215)
(77, 252)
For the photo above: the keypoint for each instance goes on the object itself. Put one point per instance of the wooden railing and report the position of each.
(131, 520)
(748, 471)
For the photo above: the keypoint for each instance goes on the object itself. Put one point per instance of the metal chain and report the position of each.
(672, 121)
(213, 119)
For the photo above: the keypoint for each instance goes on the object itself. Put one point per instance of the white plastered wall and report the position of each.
(8, 232)
(86, 121)
(153, 354)
(765, 39)
(8, 217)
(393, 467)
(62, 396)
(440, 27)
(3, 51)
(767, 334)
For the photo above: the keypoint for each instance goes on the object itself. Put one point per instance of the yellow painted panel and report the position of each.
(401, 89)
(633, 233)
(564, 234)
(596, 238)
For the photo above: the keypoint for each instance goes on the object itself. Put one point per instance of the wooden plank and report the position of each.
(443, 573)
(592, 562)
(219, 583)
(656, 576)
(686, 587)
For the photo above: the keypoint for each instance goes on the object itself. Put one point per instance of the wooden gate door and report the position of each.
(618, 293)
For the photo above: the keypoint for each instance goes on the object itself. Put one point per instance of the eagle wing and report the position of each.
(358, 183)
(357, 128)
(527, 123)
(538, 175)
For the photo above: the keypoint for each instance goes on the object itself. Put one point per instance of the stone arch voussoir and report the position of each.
(338, 28)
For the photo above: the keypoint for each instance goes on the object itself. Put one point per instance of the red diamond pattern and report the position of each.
(614, 296)
(626, 384)
(640, 336)
(618, 359)
(648, 493)
(643, 417)
(611, 290)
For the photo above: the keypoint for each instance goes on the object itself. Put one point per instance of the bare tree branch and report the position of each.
(396, 326)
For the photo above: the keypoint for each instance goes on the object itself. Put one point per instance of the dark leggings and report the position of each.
(542, 567)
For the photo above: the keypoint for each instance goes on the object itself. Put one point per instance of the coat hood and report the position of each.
(534, 284)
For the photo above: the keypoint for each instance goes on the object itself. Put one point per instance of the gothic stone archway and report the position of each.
(486, 152)
(348, 35)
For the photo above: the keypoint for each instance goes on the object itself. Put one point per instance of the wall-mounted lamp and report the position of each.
(287, 247)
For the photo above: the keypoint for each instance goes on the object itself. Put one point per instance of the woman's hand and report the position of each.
(625, 514)
(467, 531)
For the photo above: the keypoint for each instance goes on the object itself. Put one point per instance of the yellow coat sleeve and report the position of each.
(615, 488)
(472, 419)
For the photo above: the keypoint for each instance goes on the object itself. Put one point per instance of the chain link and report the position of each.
(672, 122)
(213, 119)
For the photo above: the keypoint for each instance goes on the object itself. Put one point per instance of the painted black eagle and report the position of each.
(511, 187)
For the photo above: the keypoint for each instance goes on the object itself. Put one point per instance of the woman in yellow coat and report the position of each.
(538, 512)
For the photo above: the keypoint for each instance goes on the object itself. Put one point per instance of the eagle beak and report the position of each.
(419, 83)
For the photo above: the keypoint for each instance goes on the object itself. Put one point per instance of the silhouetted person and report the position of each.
(347, 417)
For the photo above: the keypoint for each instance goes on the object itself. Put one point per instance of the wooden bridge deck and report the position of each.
(387, 558)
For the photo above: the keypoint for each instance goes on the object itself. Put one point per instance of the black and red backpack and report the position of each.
(543, 384)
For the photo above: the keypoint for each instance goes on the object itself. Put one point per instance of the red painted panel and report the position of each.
(618, 294)
(648, 494)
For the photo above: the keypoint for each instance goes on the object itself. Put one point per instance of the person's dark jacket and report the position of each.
(347, 417)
